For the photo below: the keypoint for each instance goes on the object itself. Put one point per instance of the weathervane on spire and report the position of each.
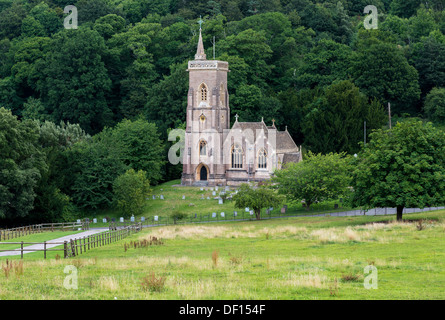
(200, 21)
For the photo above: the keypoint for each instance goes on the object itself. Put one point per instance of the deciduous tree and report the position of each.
(402, 167)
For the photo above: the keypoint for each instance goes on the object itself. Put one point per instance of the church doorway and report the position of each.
(202, 173)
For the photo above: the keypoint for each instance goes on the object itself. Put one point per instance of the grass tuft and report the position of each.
(152, 283)
(215, 257)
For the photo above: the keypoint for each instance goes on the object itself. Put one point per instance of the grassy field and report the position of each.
(293, 258)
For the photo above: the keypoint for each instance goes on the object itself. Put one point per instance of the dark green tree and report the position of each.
(93, 166)
(22, 164)
(402, 167)
(381, 71)
(335, 121)
(141, 147)
(435, 105)
(73, 80)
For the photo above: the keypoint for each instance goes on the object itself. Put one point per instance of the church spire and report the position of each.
(200, 52)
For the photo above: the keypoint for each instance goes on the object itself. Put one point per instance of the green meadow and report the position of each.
(289, 258)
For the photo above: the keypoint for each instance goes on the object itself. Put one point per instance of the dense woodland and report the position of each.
(80, 107)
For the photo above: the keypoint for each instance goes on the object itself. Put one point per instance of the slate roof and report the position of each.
(291, 157)
(284, 142)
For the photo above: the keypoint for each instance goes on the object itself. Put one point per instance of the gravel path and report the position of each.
(50, 244)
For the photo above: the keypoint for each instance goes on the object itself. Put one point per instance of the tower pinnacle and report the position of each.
(200, 52)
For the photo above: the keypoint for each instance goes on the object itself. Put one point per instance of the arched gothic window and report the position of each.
(202, 148)
(262, 159)
(237, 157)
(203, 92)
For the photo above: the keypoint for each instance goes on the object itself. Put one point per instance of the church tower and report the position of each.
(208, 115)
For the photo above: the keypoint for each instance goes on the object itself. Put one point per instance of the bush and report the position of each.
(178, 215)
(130, 191)
(152, 283)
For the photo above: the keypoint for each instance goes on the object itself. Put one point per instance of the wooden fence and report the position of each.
(77, 246)
(8, 234)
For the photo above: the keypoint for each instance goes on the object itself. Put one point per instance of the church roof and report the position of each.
(291, 157)
(284, 142)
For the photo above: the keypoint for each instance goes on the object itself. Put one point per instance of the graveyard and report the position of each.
(204, 204)
(295, 257)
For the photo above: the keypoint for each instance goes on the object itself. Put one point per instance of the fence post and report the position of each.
(65, 253)
(44, 249)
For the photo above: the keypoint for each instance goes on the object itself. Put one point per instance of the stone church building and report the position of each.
(215, 154)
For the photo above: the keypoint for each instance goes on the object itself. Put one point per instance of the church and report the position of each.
(215, 154)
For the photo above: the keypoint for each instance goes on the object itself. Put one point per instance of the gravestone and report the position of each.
(214, 215)
(202, 189)
(162, 197)
(155, 218)
(142, 219)
(104, 220)
(202, 197)
(235, 213)
(196, 215)
(247, 209)
(216, 188)
(283, 210)
(78, 220)
(214, 193)
(220, 201)
(154, 197)
(183, 197)
(94, 220)
(208, 198)
(121, 219)
(222, 214)
(251, 212)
